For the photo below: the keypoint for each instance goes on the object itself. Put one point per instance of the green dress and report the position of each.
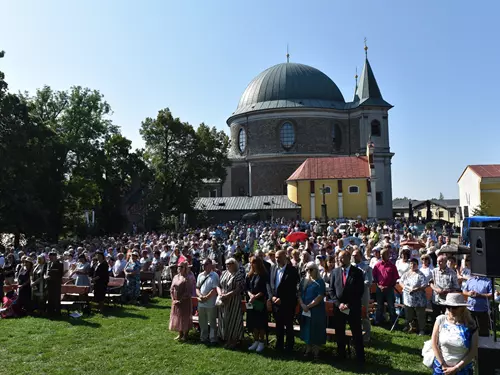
(313, 329)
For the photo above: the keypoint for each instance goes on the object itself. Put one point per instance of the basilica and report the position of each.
(292, 112)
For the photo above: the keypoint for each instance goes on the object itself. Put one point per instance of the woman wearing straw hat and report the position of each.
(454, 338)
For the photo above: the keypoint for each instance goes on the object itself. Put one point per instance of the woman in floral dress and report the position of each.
(414, 283)
(132, 270)
(181, 290)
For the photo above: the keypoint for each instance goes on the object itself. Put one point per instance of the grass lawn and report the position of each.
(136, 340)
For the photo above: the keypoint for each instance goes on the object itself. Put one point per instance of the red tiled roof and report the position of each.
(341, 167)
(486, 171)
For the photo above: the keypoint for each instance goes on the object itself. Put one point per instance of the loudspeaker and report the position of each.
(485, 251)
(487, 356)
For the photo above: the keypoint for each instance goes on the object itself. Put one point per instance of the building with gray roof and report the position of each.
(291, 112)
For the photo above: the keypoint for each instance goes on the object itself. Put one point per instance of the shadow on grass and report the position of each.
(375, 363)
(123, 313)
(385, 342)
(82, 323)
(155, 305)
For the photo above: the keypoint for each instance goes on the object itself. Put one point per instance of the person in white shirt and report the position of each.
(206, 290)
(426, 267)
(119, 266)
(375, 258)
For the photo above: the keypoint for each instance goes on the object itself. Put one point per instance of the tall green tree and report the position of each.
(124, 172)
(181, 158)
(30, 155)
(80, 119)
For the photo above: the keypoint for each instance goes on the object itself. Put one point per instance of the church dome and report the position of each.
(290, 85)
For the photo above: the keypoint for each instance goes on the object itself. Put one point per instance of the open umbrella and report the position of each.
(414, 244)
(297, 236)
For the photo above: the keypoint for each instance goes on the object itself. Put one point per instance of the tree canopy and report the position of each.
(61, 157)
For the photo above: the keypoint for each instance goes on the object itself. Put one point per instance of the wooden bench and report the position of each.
(8, 288)
(79, 296)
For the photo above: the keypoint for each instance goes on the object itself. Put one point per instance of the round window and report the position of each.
(287, 135)
(242, 140)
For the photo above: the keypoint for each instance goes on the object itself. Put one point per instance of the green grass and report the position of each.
(136, 340)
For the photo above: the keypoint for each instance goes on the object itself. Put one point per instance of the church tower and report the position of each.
(374, 128)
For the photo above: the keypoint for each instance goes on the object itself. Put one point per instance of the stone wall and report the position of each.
(239, 180)
(312, 136)
(269, 178)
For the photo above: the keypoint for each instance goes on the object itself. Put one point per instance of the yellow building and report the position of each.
(345, 183)
(480, 184)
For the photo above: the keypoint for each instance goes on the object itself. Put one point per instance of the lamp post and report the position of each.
(324, 217)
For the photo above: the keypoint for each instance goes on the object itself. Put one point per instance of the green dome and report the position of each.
(290, 85)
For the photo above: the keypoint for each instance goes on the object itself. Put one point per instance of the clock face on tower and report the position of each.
(242, 140)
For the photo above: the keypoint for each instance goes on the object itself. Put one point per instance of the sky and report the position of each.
(435, 61)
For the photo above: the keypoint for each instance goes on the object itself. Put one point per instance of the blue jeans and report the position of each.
(387, 295)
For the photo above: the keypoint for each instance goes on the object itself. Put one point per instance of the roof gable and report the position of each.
(342, 167)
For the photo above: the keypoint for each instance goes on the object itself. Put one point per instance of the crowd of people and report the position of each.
(212, 270)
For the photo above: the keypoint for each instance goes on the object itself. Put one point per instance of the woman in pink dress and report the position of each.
(181, 289)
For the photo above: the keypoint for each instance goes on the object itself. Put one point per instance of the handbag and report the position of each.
(428, 354)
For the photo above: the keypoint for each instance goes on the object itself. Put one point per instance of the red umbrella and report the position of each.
(297, 237)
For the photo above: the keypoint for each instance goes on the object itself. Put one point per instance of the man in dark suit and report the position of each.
(282, 294)
(53, 277)
(346, 290)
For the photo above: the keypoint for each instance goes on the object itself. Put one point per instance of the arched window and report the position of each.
(287, 135)
(375, 129)
(242, 140)
(336, 135)
(353, 189)
(328, 190)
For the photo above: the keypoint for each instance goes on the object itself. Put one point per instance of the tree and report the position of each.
(441, 196)
(123, 171)
(29, 153)
(79, 118)
(180, 158)
(481, 210)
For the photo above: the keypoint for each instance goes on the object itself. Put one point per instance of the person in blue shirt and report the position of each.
(480, 291)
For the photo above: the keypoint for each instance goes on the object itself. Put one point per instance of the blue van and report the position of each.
(477, 222)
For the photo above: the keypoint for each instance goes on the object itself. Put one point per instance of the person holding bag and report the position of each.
(454, 338)
(256, 282)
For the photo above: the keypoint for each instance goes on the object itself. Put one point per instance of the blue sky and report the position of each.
(435, 61)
